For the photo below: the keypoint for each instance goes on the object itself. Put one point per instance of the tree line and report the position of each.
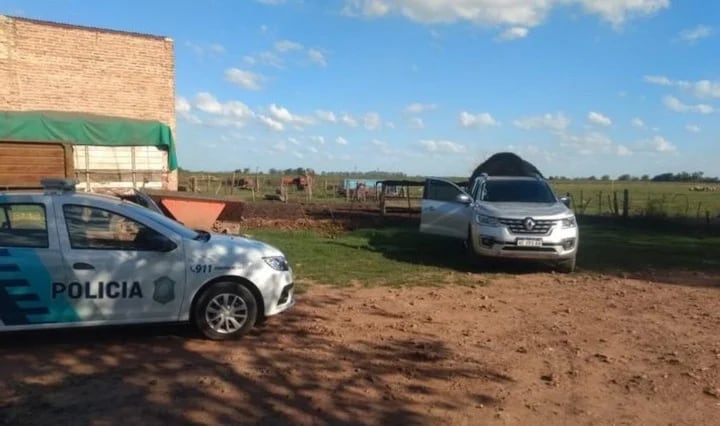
(663, 177)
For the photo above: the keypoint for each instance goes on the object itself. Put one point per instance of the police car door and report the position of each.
(120, 269)
(30, 261)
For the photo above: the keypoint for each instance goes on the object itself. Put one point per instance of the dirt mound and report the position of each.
(505, 164)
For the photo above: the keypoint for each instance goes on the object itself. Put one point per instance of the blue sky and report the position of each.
(433, 87)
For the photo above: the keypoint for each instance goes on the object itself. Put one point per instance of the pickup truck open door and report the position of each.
(446, 209)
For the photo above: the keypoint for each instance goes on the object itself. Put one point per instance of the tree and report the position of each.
(624, 178)
(645, 178)
(605, 178)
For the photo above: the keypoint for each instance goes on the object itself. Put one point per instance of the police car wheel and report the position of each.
(225, 311)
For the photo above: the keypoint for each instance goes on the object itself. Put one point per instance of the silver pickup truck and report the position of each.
(517, 217)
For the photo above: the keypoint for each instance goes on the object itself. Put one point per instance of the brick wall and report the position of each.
(48, 66)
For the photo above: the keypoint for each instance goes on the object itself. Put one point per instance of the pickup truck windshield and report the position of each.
(517, 191)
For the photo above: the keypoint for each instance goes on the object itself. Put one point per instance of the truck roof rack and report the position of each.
(58, 185)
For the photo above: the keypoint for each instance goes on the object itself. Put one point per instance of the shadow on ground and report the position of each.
(288, 372)
(665, 253)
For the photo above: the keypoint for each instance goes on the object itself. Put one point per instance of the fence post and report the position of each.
(616, 208)
(626, 203)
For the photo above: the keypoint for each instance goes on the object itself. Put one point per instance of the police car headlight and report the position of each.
(279, 263)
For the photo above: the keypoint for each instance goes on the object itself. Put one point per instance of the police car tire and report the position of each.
(220, 288)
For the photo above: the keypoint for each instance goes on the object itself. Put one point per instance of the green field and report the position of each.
(652, 198)
(396, 256)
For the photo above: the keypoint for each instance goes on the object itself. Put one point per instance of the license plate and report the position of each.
(529, 242)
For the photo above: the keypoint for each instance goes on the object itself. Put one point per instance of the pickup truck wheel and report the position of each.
(567, 266)
(225, 311)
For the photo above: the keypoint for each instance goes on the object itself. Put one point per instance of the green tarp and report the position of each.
(85, 129)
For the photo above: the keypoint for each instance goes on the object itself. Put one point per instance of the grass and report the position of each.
(399, 256)
(388, 256)
(655, 198)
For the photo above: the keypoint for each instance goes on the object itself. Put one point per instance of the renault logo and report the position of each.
(529, 224)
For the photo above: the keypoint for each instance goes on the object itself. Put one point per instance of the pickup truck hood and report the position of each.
(523, 210)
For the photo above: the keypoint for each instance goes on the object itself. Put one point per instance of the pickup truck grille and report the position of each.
(517, 226)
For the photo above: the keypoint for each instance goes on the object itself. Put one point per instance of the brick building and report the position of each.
(93, 76)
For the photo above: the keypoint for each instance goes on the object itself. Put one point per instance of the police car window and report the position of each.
(23, 225)
(97, 229)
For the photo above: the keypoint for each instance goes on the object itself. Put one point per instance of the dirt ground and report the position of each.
(528, 349)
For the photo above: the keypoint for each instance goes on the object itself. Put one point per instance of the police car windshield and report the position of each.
(165, 221)
(517, 191)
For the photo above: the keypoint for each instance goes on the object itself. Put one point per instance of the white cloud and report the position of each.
(294, 141)
(482, 119)
(707, 89)
(298, 154)
(312, 149)
(318, 139)
(676, 105)
(341, 141)
(697, 33)
(514, 33)
(701, 88)
(556, 122)
(207, 103)
(442, 146)
(279, 147)
(658, 144)
(618, 11)
(249, 60)
(328, 116)
(417, 123)
(182, 105)
(349, 120)
(271, 2)
(623, 151)
(419, 108)
(287, 46)
(378, 142)
(202, 50)
(636, 122)
(245, 79)
(317, 57)
(283, 114)
(389, 124)
(520, 13)
(693, 128)
(599, 119)
(271, 123)
(372, 121)
(589, 143)
(658, 79)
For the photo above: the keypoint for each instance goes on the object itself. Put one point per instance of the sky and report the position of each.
(433, 87)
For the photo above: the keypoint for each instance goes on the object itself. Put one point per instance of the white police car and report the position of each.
(77, 259)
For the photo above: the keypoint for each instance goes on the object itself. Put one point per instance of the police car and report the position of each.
(70, 259)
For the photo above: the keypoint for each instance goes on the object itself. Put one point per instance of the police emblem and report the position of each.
(164, 290)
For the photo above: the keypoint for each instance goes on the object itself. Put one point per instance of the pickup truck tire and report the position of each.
(566, 266)
(225, 311)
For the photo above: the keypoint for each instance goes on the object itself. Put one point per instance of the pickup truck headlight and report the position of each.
(568, 222)
(278, 263)
(485, 220)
